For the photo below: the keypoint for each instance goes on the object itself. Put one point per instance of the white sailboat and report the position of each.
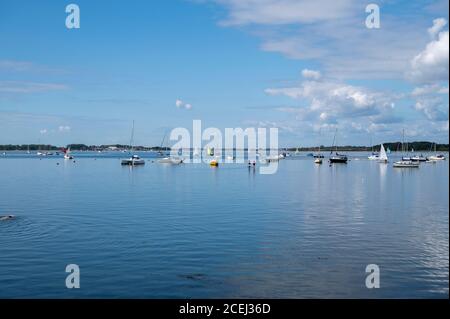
(67, 155)
(382, 158)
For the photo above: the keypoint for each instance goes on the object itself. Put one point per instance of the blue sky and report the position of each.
(305, 67)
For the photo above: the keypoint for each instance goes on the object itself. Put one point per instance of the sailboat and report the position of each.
(374, 156)
(405, 163)
(436, 157)
(382, 158)
(318, 155)
(337, 158)
(160, 152)
(67, 155)
(134, 159)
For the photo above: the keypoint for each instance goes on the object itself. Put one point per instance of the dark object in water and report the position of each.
(7, 217)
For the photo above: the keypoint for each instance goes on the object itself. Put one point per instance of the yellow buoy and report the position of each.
(214, 163)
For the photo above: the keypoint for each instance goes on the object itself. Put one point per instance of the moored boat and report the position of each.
(382, 158)
(133, 160)
(406, 164)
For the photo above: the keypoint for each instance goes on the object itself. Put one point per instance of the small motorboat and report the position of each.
(133, 160)
(406, 164)
(318, 161)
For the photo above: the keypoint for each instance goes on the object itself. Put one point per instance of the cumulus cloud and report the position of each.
(432, 108)
(327, 101)
(438, 25)
(182, 105)
(43, 131)
(432, 64)
(311, 74)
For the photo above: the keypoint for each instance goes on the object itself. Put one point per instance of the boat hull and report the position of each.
(403, 164)
(338, 160)
(133, 162)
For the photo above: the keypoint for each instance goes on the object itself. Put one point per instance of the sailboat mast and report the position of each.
(132, 137)
(334, 142)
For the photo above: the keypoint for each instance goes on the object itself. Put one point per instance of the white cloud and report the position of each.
(430, 89)
(43, 131)
(432, 64)
(331, 33)
(432, 108)
(328, 101)
(311, 74)
(181, 105)
(438, 25)
(276, 12)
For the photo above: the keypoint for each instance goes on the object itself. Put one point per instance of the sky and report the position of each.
(305, 67)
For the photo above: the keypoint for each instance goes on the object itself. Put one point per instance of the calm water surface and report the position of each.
(192, 231)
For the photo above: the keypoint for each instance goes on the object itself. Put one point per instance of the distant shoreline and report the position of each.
(393, 146)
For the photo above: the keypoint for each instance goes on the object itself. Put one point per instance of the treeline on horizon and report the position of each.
(395, 146)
